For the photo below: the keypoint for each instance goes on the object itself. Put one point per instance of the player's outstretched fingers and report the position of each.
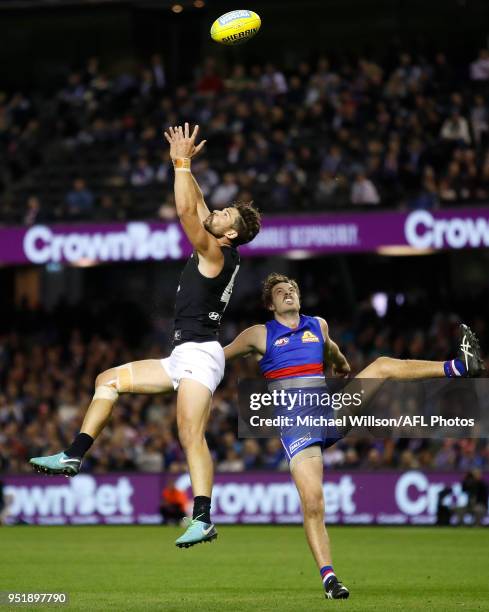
(186, 130)
(199, 147)
(194, 133)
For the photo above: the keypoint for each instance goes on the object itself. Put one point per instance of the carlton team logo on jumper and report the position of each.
(281, 342)
(308, 336)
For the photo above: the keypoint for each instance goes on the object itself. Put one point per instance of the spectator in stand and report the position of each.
(333, 160)
(207, 178)
(479, 120)
(427, 198)
(146, 83)
(74, 92)
(149, 458)
(143, 174)
(273, 81)
(167, 210)
(273, 457)
(442, 74)
(456, 129)
(482, 189)
(477, 491)
(34, 213)
(162, 174)
(238, 80)
(210, 83)
(232, 462)
(326, 189)
(252, 455)
(158, 70)
(479, 69)
(363, 191)
(79, 201)
(106, 210)
(122, 171)
(174, 504)
(225, 192)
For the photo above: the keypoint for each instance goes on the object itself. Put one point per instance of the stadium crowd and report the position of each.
(410, 132)
(48, 368)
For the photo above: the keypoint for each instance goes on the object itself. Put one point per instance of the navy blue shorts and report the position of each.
(299, 436)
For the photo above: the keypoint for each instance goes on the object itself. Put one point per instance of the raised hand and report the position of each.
(182, 143)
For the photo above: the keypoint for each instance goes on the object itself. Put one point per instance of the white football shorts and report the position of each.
(200, 361)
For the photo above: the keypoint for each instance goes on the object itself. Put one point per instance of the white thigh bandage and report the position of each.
(124, 381)
(308, 453)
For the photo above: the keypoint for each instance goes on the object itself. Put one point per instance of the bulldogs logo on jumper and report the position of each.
(281, 342)
(308, 336)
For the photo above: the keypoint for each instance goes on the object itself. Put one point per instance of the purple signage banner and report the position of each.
(390, 498)
(300, 235)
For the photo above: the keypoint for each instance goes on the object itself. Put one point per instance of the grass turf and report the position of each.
(247, 569)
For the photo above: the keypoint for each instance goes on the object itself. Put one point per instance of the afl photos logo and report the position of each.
(281, 342)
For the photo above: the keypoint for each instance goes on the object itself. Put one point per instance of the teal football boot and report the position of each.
(57, 464)
(196, 532)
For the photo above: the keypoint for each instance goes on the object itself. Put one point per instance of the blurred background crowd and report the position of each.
(48, 366)
(409, 131)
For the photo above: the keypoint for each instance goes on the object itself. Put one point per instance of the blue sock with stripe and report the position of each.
(327, 572)
(454, 368)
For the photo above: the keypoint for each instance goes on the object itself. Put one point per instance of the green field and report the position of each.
(247, 568)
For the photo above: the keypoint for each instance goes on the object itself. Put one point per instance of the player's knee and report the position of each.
(313, 503)
(384, 366)
(190, 435)
(106, 386)
(119, 380)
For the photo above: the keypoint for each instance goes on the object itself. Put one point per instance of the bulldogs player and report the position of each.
(293, 351)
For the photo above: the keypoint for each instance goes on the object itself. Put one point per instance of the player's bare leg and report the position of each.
(468, 363)
(306, 468)
(147, 376)
(371, 378)
(403, 369)
(193, 410)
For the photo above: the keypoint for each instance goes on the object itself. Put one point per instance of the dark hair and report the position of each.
(247, 224)
(269, 283)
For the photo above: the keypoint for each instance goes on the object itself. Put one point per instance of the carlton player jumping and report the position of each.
(196, 364)
(293, 351)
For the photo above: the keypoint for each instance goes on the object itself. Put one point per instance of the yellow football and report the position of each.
(235, 27)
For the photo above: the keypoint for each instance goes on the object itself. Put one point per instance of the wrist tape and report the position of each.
(181, 164)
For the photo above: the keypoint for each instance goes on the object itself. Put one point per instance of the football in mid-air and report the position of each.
(235, 27)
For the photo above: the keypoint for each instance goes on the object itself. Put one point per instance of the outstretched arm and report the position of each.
(251, 341)
(187, 198)
(332, 353)
(202, 209)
